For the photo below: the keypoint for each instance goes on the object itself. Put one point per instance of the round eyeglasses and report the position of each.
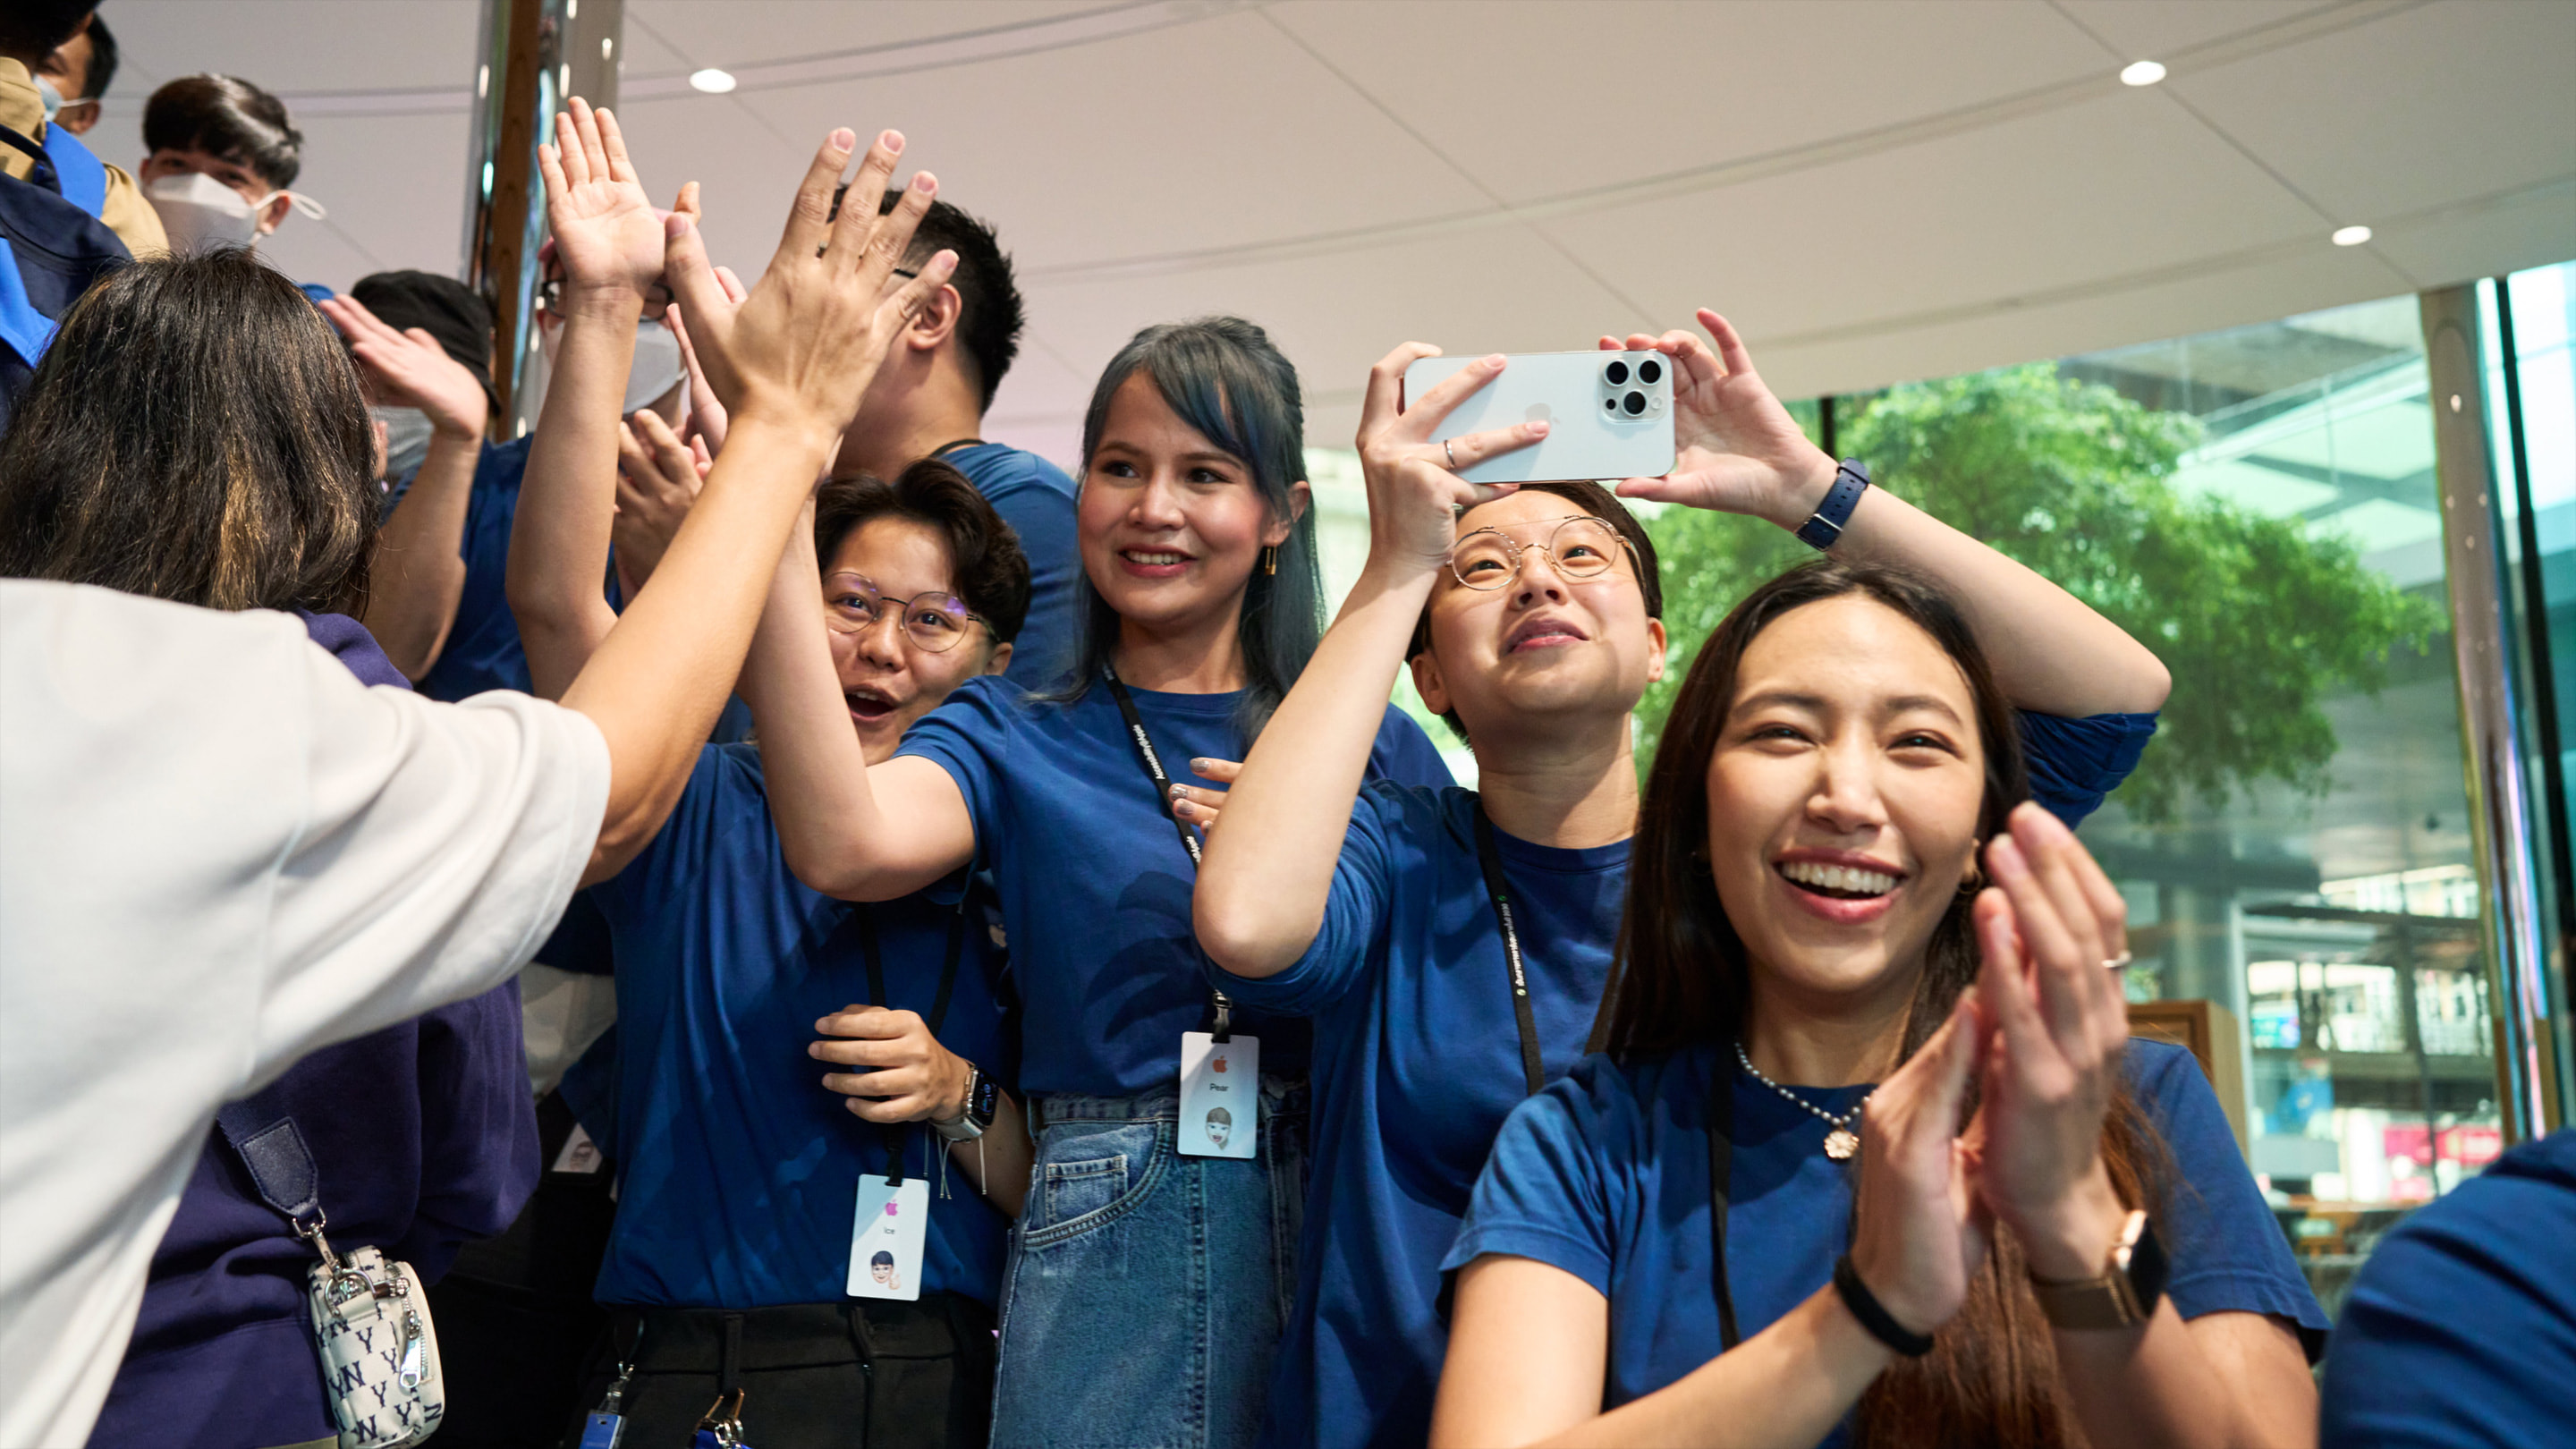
(1580, 547)
(932, 622)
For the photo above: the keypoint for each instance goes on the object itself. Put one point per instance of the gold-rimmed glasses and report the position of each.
(1579, 547)
(852, 604)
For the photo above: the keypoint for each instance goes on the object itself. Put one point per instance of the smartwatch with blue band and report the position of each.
(1822, 530)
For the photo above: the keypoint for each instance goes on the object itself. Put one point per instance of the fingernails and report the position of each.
(1198, 763)
(1539, 428)
(2004, 857)
(676, 225)
(1184, 809)
(924, 182)
(1495, 361)
(891, 140)
(842, 139)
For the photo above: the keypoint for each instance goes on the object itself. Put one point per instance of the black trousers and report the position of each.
(864, 1374)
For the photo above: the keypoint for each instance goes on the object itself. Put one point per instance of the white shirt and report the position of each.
(219, 851)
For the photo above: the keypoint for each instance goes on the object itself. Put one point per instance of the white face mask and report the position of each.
(201, 213)
(657, 365)
(407, 434)
(52, 98)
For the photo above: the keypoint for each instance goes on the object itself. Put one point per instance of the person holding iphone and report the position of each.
(1870, 1159)
(1452, 945)
(1147, 1284)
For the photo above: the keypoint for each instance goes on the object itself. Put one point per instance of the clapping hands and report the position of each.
(2042, 1034)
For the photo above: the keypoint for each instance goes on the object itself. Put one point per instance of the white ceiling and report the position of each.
(1874, 190)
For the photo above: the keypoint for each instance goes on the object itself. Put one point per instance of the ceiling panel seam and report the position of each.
(2173, 93)
(634, 16)
(1718, 176)
(1457, 169)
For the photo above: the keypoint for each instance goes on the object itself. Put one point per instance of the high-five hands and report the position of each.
(410, 368)
(1737, 450)
(1414, 491)
(606, 235)
(801, 348)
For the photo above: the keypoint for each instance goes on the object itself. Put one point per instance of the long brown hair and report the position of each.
(1682, 979)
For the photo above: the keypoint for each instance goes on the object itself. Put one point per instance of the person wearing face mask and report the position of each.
(30, 32)
(738, 1169)
(1532, 623)
(1869, 1158)
(75, 77)
(220, 154)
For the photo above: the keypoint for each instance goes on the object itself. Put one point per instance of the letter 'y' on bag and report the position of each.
(1220, 1095)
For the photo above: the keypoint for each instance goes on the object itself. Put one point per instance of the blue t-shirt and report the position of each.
(1094, 883)
(738, 1171)
(1606, 1175)
(482, 650)
(1036, 499)
(1417, 1063)
(2461, 1329)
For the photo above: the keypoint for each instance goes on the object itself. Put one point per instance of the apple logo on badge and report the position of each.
(1217, 1065)
(891, 1209)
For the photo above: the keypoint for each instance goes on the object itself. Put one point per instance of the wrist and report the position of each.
(781, 424)
(458, 428)
(2074, 1238)
(602, 302)
(948, 1099)
(1801, 490)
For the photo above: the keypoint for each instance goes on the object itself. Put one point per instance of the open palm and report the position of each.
(1737, 449)
(606, 231)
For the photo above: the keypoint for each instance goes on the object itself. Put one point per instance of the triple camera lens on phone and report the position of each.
(1618, 374)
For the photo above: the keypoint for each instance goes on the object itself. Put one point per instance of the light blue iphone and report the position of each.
(1610, 414)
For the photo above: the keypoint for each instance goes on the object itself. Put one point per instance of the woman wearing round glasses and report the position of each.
(1453, 945)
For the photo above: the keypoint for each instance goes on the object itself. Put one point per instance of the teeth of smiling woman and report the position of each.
(1154, 558)
(1839, 878)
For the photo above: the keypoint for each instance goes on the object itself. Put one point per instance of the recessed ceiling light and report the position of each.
(714, 82)
(2142, 73)
(2351, 236)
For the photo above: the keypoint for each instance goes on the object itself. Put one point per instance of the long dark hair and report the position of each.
(1682, 979)
(1223, 377)
(195, 433)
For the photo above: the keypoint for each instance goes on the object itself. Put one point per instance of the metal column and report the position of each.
(2490, 697)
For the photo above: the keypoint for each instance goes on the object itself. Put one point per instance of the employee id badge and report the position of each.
(1220, 1095)
(603, 1431)
(886, 1239)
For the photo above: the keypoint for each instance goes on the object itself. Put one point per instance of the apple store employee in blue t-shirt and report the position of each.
(1146, 1283)
(1760, 1219)
(1533, 621)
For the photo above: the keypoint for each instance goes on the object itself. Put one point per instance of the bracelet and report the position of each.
(1873, 1315)
(1824, 528)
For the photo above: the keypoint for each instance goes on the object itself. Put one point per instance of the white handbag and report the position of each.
(371, 1326)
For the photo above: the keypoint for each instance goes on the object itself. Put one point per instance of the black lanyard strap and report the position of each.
(895, 1136)
(1720, 1113)
(1220, 1005)
(1490, 857)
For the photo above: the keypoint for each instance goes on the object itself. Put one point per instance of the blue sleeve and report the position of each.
(967, 736)
(2075, 763)
(676, 854)
(1036, 500)
(2461, 1329)
(1405, 755)
(1544, 1194)
(478, 1128)
(2228, 1252)
(1354, 914)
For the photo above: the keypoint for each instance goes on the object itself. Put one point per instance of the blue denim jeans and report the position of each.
(1146, 1289)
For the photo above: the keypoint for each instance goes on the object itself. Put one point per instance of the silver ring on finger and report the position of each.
(2123, 959)
(1448, 449)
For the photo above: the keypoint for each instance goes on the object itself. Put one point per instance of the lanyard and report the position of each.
(1490, 857)
(1720, 1114)
(944, 449)
(894, 1137)
(1222, 1004)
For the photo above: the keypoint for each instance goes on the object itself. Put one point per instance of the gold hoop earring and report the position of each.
(1976, 880)
(1270, 560)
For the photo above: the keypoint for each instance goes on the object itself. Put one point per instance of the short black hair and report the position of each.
(229, 118)
(985, 564)
(990, 313)
(102, 61)
(1603, 504)
(31, 29)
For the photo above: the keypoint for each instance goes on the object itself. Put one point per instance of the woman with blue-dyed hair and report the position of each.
(1152, 1268)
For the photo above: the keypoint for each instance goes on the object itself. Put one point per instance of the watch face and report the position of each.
(984, 1100)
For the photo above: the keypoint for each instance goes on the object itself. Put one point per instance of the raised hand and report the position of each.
(1919, 1232)
(1414, 491)
(2057, 1024)
(658, 477)
(605, 231)
(902, 1072)
(804, 344)
(1737, 449)
(1198, 805)
(412, 369)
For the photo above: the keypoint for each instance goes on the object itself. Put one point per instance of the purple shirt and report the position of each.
(424, 1136)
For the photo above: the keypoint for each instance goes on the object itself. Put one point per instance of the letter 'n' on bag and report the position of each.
(371, 1328)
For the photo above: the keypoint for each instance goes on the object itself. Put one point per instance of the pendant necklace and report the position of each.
(1844, 1139)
